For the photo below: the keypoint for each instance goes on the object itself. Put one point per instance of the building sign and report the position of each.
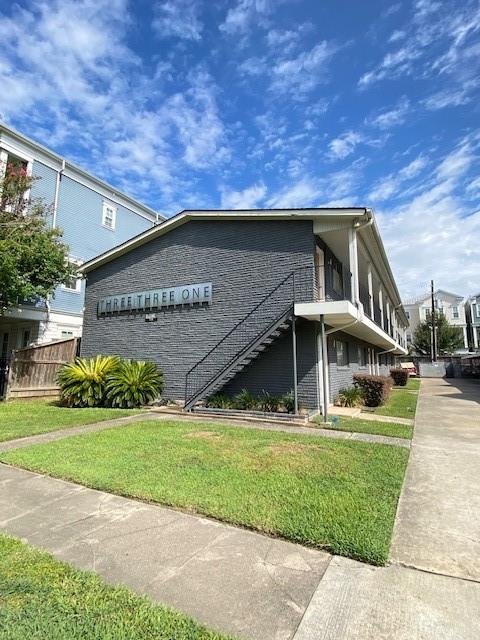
(157, 298)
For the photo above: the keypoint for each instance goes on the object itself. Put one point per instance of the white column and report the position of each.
(380, 304)
(3, 162)
(353, 262)
(370, 288)
(475, 336)
(465, 337)
(389, 317)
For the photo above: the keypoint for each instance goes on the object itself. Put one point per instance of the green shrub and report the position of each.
(245, 401)
(350, 397)
(133, 383)
(219, 401)
(375, 389)
(82, 382)
(400, 377)
(268, 402)
(288, 401)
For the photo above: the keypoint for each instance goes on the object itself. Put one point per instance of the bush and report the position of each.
(245, 401)
(219, 401)
(82, 382)
(268, 402)
(400, 377)
(375, 389)
(288, 401)
(350, 397)
(108, 381)
(133, 383)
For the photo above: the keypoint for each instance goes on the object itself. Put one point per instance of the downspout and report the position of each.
(324, 370)
(57, 189)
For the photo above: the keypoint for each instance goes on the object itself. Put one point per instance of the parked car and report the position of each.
(411, 368)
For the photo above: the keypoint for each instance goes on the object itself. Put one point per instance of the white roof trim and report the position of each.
(185, 216)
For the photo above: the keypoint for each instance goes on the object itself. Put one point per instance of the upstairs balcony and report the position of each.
(327, 290)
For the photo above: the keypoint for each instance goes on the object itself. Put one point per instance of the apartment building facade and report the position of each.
(277, 300)
(473, 321)
(451, 305)
(94, 217)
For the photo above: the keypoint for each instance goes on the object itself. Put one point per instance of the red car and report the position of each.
(410, 367)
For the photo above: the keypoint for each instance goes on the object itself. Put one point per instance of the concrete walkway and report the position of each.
(437, 535)
(184, 417)
(230, 579)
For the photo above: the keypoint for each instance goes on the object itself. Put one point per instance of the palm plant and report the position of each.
(133, 383)
(82, 382)
(219, 401)
(245, 401)
(350, 397)
(267, 402)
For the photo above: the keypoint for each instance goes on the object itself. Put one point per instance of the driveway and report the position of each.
(431, 589)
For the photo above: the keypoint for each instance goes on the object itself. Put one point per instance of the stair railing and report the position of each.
(298, 286)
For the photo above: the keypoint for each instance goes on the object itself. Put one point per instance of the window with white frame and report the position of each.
(362, 356)
(109, 215)
(455, 312)
(73, 284)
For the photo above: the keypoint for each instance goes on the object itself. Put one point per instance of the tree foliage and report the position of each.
(33, 260)
(449, 338)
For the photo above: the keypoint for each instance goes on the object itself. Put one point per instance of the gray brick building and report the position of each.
(268, 299)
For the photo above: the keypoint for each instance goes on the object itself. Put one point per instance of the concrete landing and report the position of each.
(230, 579)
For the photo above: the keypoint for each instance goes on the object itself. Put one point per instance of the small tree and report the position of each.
(448, 338)
(33, 260)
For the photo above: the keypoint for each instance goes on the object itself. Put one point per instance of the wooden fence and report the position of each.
(33, 370)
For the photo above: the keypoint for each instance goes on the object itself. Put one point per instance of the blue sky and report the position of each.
(267, 103)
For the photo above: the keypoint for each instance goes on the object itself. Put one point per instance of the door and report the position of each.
(320, 272)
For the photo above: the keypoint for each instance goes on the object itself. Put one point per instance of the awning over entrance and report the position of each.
(342, 314)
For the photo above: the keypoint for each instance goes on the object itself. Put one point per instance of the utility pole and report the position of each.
(434, 337)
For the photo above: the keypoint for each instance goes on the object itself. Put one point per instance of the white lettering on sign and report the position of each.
(156, 298)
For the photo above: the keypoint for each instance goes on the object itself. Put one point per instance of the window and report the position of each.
(407, 313)
(455, 312)
(109, 215)
(362, 356)
(66, 334)
(341, 349)
(74, 284)
(409, 337)
(25, 338)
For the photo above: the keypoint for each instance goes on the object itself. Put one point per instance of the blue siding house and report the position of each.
(94, 217)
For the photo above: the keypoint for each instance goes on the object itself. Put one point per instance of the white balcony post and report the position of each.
(389, 318)
(353, 262)
(380, 304)
(370, 288)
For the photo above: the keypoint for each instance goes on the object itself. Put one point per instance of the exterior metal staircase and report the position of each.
(264, 324)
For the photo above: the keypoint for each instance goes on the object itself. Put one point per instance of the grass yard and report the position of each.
(401, 404)
(28, 418)
(337, 495)
(368, 426)
(41, 597)
(413, 384)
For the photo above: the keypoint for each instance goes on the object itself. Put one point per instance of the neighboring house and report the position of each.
(257, 300)
(473, 321)
(94, 217)
(450, 304)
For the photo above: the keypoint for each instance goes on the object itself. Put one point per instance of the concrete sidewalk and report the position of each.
(230, 579)
(438, 520)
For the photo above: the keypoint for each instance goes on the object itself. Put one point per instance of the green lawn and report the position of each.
(28, 418)
(413, 384)
(368, 426)
(401, 404)
(337, 495)
(42, 598)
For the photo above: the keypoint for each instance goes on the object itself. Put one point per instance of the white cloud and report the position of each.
(304, 72)
(434, 235)
(345, 144)
(248, 198)
(391, 184)
(240, 17)
(101, 104)
(301, 194)
(177, 18)
(393, 117)
(397, 35)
